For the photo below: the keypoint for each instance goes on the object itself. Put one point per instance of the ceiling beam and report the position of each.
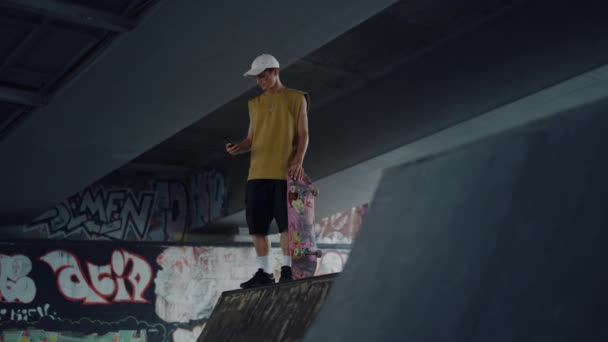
(73, 13)
(25, 44)
(21, 97)
(10, 120)
(78, 63)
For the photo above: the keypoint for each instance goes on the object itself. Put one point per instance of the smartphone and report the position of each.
(228, 141)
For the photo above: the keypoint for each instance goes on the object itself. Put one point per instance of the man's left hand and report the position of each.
(296, 170)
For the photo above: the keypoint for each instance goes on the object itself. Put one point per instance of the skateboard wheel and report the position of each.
(318, 254)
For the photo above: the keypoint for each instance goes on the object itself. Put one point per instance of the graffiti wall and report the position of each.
(135, 208)
(340, 228)
(120, 291)
(35, 335)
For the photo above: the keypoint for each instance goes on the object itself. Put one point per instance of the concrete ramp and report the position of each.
(503, 240)
(281, 312)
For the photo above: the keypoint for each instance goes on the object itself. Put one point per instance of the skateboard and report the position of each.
(301, 215)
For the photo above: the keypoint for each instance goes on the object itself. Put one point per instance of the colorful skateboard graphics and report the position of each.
(301, 215)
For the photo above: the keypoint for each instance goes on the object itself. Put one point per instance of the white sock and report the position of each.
(264, 264)
(287, 260)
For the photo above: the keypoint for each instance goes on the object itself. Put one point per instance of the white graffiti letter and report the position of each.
(113, 206)
(15, 287)
(139, 276)
(72, 283)
(92, 203)
(136, 215)
(101, 279)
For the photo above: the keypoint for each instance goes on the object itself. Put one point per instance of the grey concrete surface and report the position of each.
(500, 240)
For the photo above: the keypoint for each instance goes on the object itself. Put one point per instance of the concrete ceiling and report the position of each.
(174, 68)
(400, 33)
(415, 69)
(355, 60)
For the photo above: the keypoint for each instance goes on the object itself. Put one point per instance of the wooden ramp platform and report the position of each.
(281, 312)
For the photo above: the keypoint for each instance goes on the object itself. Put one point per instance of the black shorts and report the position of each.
(266, 199)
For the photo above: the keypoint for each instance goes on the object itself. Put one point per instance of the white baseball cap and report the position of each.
(261, 63)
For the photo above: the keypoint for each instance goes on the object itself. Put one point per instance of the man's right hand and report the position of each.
(233, 149)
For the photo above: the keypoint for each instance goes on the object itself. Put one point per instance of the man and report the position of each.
(277, 139)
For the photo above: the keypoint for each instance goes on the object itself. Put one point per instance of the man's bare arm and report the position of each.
(246, 143)
(296, 170)
(302, 132)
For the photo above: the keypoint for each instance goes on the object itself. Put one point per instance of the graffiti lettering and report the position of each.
(105, 282)
(341, 227)
(170, 214)
(27, 314)
(15, 286)
(33, 335)
(97, 213)
(208, 196)
(139, 276)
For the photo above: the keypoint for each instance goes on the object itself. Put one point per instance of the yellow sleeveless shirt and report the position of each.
(274, 118)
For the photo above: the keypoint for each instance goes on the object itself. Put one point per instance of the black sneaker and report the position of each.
(260, 278)
(286, 274)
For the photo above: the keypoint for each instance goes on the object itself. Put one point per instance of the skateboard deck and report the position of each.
(301, 216)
